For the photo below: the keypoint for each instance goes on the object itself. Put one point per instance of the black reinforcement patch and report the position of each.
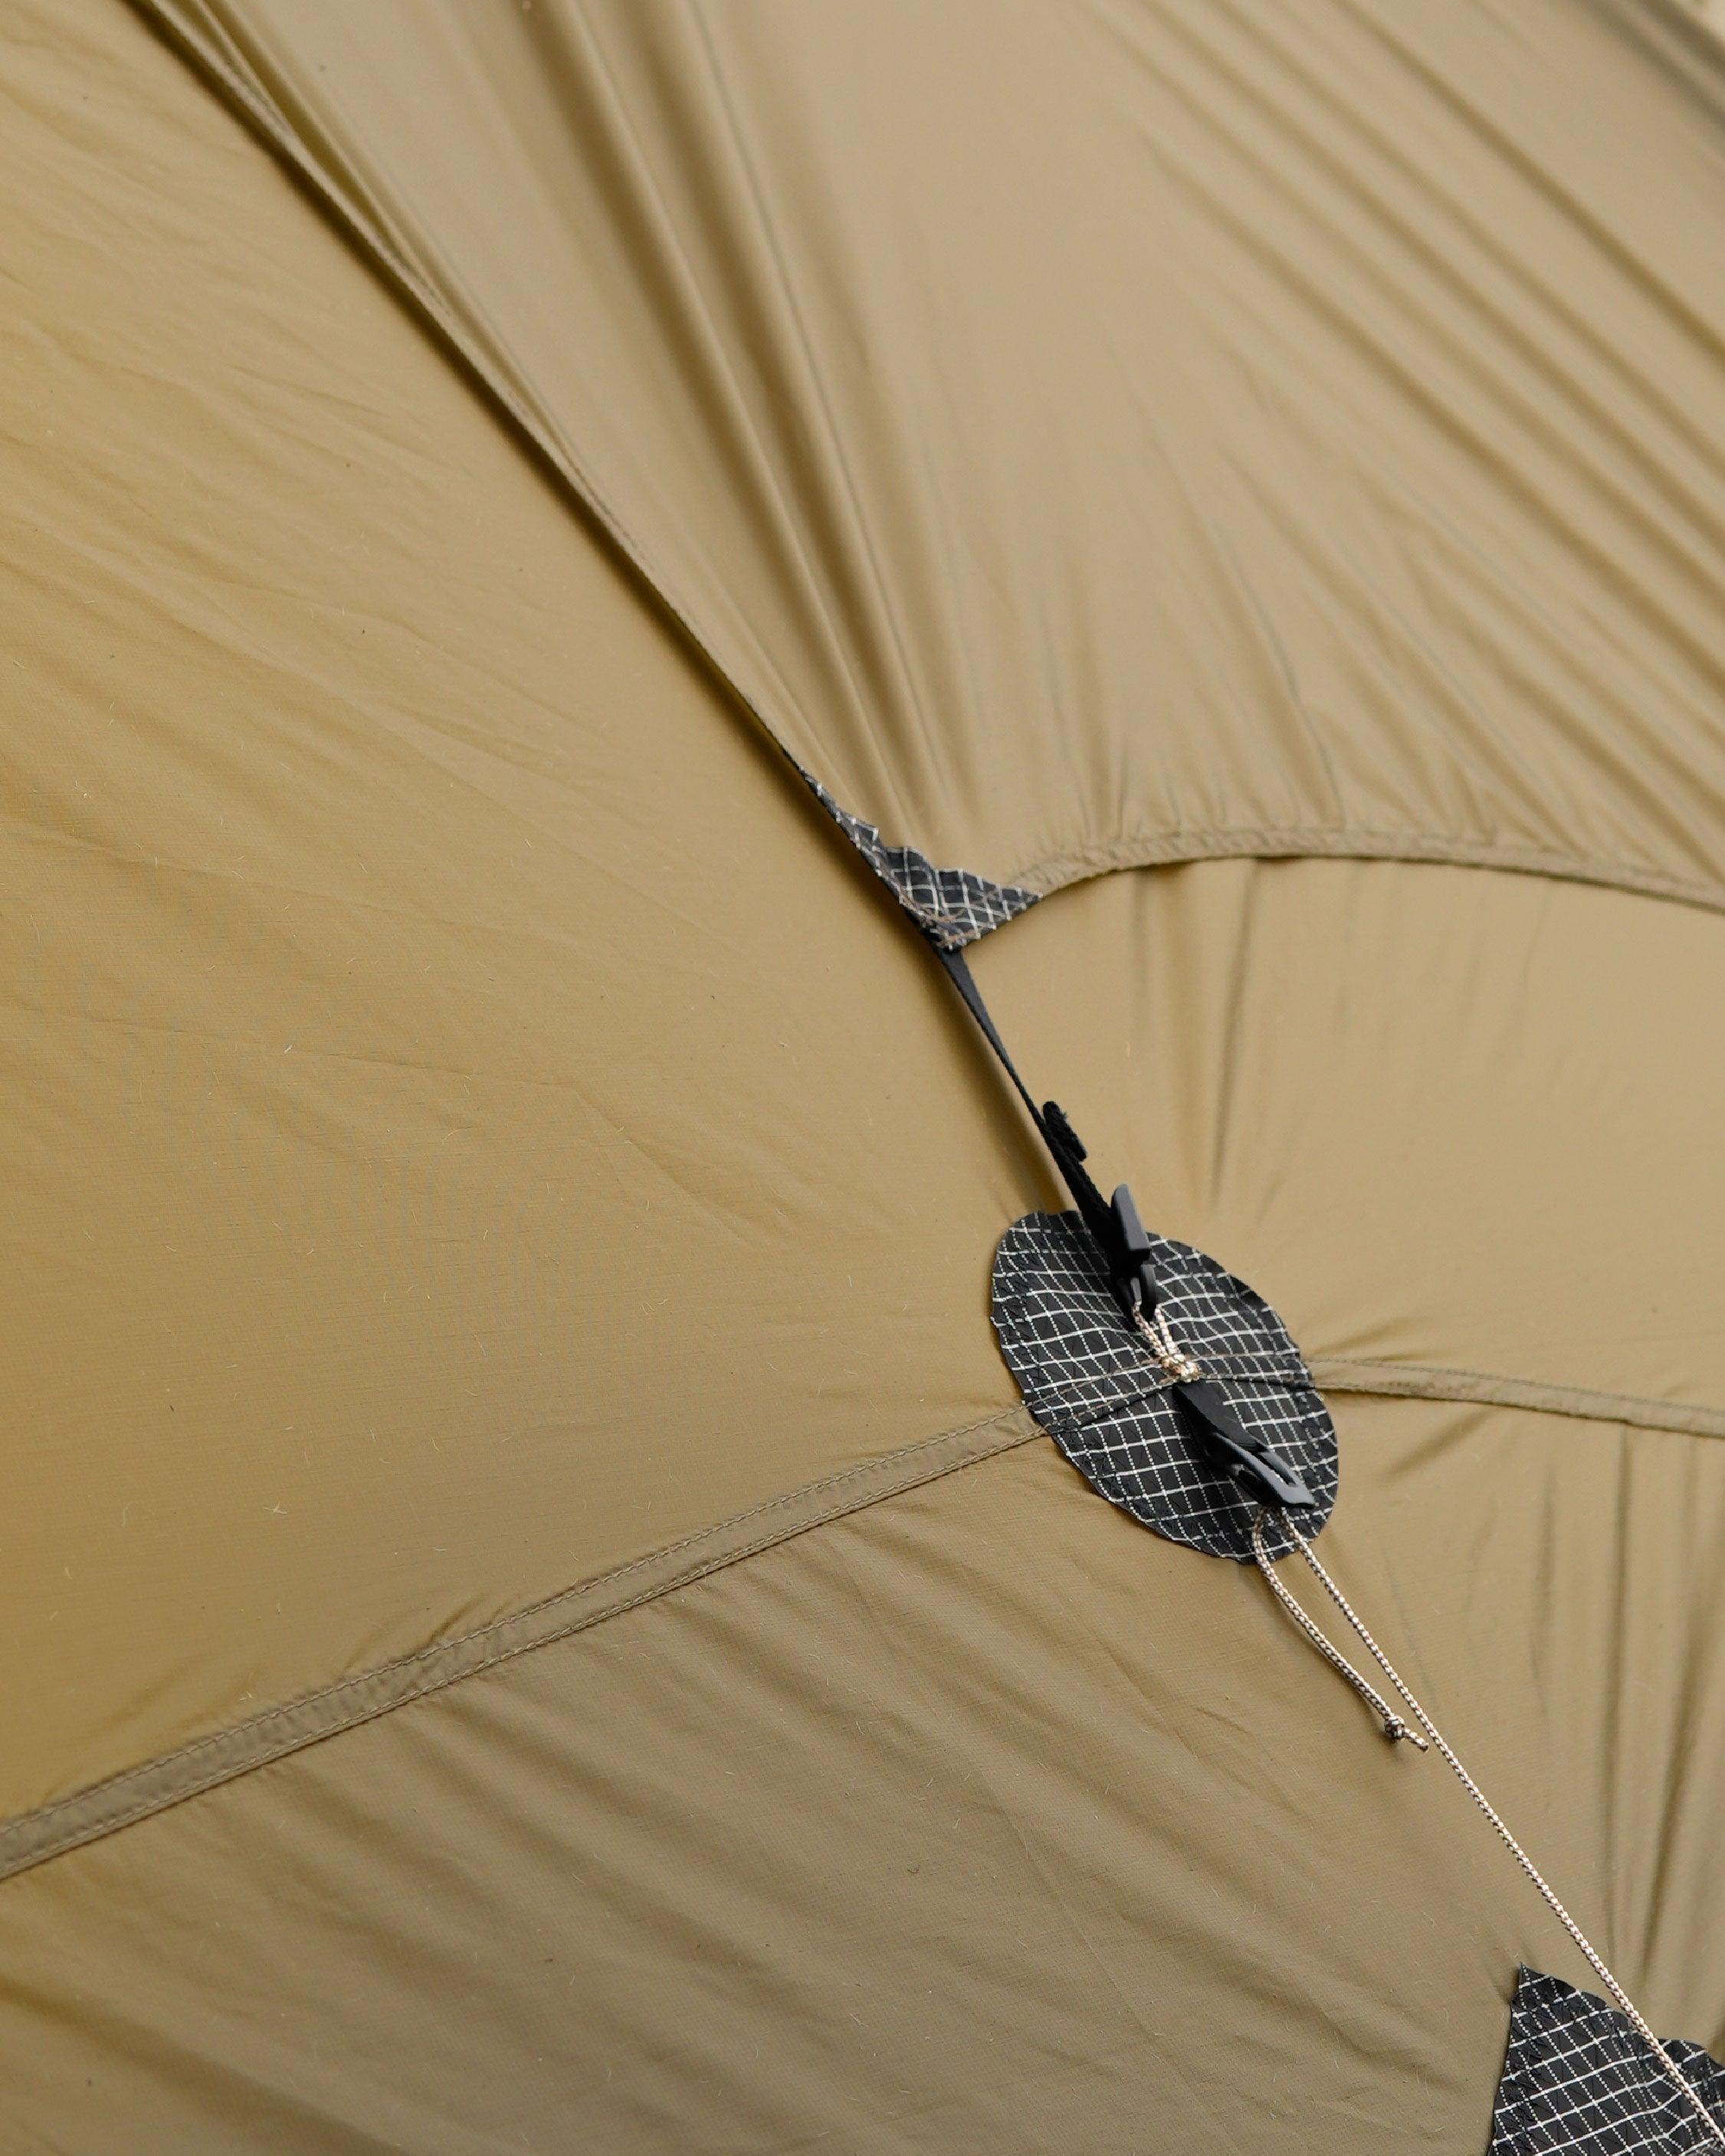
(1092, 1382)
(1579, 2080)
(953, 906)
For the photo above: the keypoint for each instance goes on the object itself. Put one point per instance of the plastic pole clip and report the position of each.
(1262, 1471)
(1133, 1277)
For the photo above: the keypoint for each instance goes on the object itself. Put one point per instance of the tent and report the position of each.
(565, 562)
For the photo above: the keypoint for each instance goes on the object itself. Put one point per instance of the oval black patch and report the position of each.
(1092, 1383)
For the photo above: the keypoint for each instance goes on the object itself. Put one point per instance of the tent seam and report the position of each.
(361, 228)
(1054, 872)
(1181, 843)
(1362, 1373)
(90, 1813)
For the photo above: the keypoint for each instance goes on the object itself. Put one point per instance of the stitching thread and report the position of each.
(1180, 842)
(456, 1649)
(1362, 1373)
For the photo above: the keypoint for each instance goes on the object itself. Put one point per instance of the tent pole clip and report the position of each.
(1260, 1469)
(1132, 1275)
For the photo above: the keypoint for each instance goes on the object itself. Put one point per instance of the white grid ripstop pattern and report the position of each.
(1579, 2081)
(952, 905)
(1091, 1381)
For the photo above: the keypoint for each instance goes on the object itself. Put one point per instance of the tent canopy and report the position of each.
(538, 1617)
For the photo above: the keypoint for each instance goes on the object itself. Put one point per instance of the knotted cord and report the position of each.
(1395, 1728)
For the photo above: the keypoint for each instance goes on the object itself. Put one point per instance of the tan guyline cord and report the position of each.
(1395, 1729)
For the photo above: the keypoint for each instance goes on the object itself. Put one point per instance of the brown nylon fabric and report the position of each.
(458, 1134)
(470, 1126)
(980, 1821)
(1092, 432)
(472, 1130)
(222, 1755)
(1447, 1121)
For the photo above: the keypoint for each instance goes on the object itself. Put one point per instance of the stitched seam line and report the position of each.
(1190, 843)
(1136, 1386)
(1354, 1373)
(84, 1815)
(256, 107)
(1053, 873)
(1084, 1413)
(532, 1610)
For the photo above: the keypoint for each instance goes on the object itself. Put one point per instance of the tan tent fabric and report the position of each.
(499, 1207)
(980, 1821)
(1464, 1122)
(440, 1162)
(474, 1170)
(1093, 433)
